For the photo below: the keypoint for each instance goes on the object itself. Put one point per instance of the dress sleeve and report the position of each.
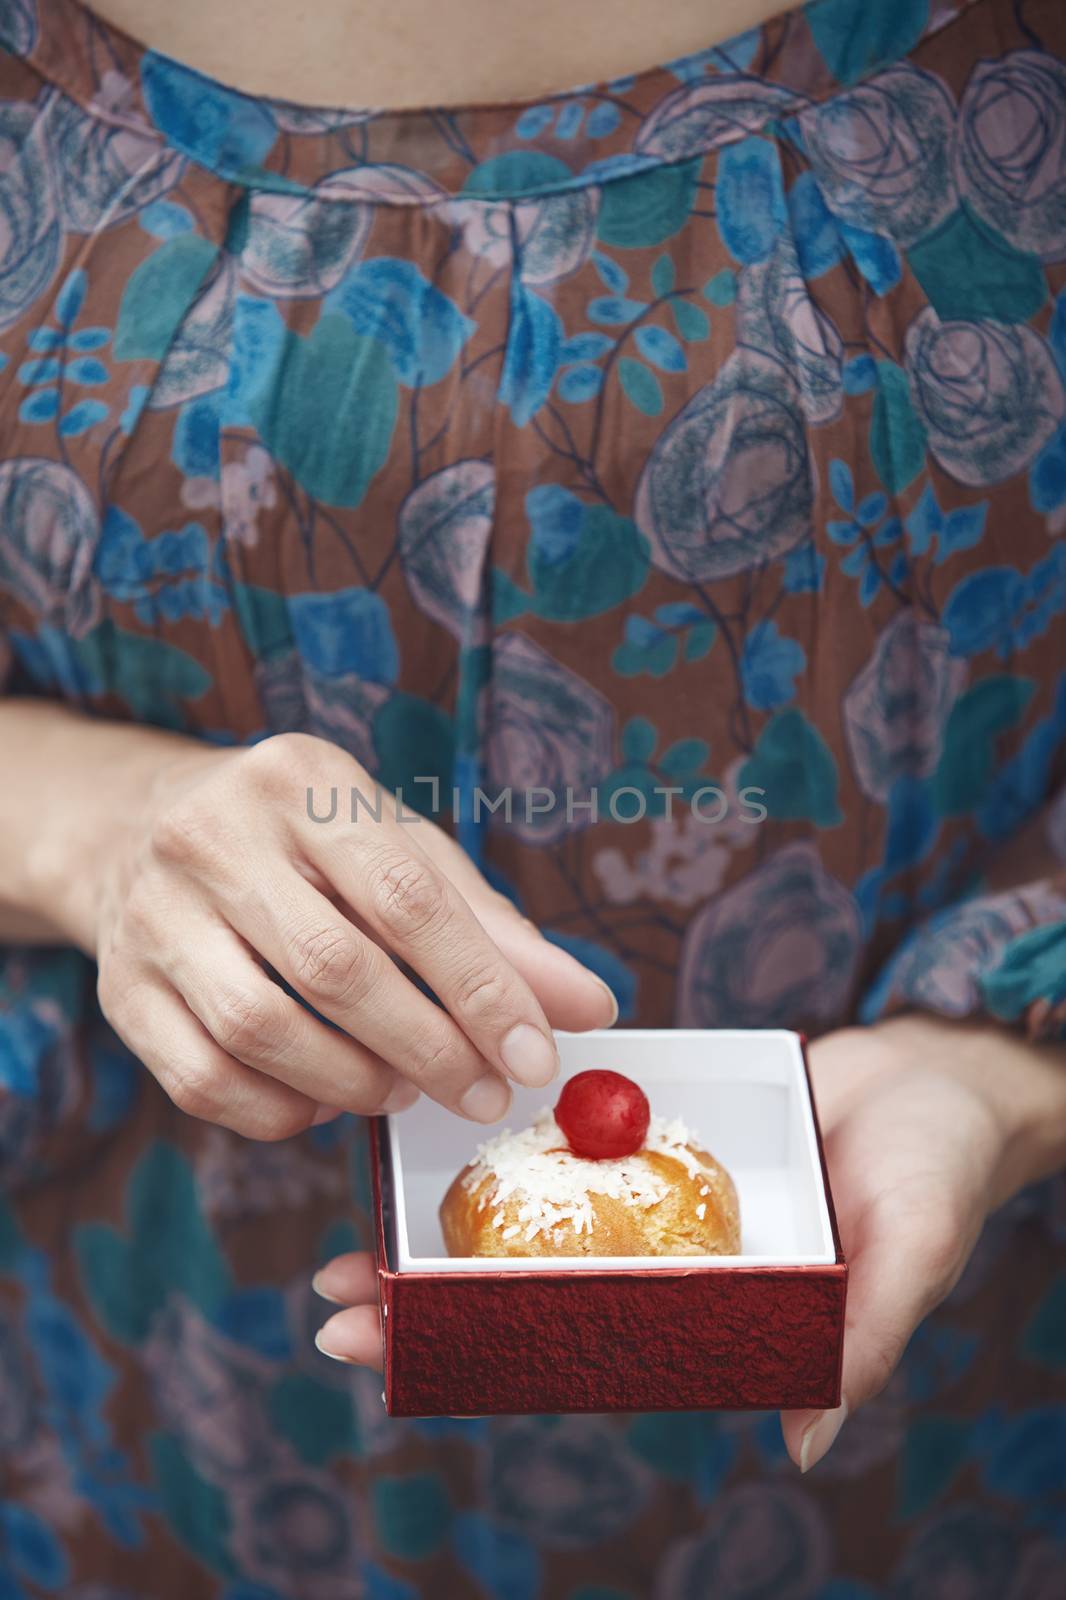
(1000, 950)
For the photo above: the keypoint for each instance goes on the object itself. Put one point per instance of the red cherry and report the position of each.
(603, 1115)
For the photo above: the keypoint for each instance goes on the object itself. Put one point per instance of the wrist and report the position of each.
(111, 786)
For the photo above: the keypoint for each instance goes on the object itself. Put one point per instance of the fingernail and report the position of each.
(400, 1096)
(613, 998)
(316, 1284)
(486, 1100)
(819, 1435)
(333, 1356)
(529, 1056)
(324, 1114)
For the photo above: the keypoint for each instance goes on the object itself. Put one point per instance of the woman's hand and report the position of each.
(928, 1126)
(212, 879)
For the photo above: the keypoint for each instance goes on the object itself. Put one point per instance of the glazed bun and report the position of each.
(528, 1194)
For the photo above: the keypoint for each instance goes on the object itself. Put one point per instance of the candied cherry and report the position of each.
(603, 1115)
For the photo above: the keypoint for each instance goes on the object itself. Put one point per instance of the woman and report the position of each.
(702, 429)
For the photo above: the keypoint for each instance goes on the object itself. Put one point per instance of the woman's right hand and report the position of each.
(222, 881)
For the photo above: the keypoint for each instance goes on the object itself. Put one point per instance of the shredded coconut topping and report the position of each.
(554, 1185)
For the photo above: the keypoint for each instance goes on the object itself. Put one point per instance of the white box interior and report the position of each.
(743, 1093)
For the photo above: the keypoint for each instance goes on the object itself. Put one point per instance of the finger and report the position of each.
(901, 1268)
(573, 998)
(351, 980)
(353, 1336)
(348, 1280)
(258, 1024)
(198, 1075)
(423, 918)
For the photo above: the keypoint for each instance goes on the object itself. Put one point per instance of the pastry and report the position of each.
(598, 1175)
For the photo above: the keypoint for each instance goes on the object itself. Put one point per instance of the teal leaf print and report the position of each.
(1000, 283)
(721, 290)
(264, 620)
(750, 198)
(968, 758)
(639, 739)
(393, 301)
(897, 437)
(793, 764)
(699, 640)
(157, 296)
(684, 758)
(413, 739)
(334, 383)
(1044, 1339)
(195, 1509)
(641, 386)
(583, 559)
(318, 1421)
(692, 323)
(855, 40)
(659, 346)
(933, 1451)
(412, 1513)
(169, 1229)
(645, 647)
(662, 275)
(646, 208)
(1032, 967)
(154, 676)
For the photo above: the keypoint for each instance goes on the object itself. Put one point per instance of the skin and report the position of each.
(419, 52)
(929, 1126)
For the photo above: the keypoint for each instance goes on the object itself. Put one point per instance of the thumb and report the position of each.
(901, 1269)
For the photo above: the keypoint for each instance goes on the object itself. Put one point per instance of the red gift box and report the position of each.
(764, 1329)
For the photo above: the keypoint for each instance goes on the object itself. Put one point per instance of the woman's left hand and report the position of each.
(928, 1127)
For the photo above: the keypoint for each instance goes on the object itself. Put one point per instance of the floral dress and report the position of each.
(699, 431)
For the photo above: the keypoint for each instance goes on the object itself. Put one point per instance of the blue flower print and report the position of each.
(62, 360)
(769, 666)
(946, 533)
